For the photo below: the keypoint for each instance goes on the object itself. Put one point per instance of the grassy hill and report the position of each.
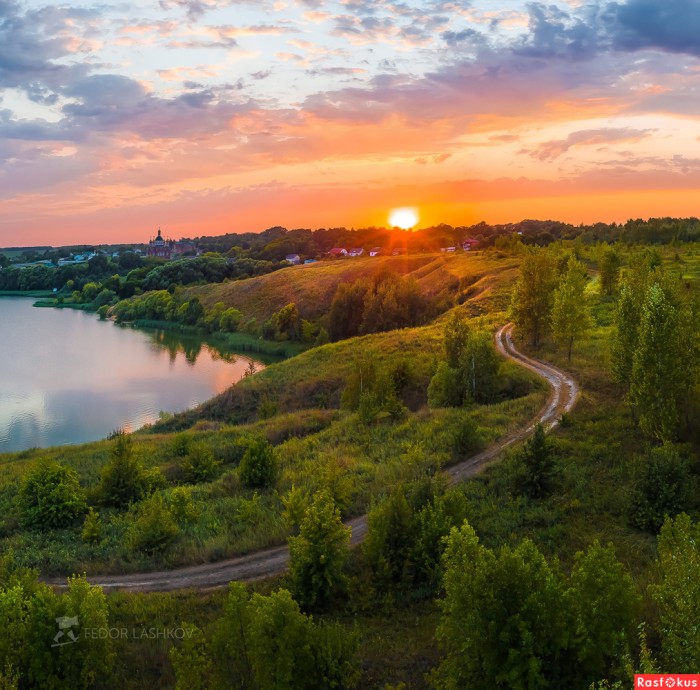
(311, 287)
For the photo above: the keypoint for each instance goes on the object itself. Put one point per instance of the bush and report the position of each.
(258, 467)
(199, 465)
(182, 507)
(445, 389)
(92, 527)
(50, 496)
(154, 528)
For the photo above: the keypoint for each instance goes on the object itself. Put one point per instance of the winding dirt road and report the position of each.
(273, 561)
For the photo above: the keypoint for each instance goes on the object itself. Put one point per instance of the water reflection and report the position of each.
(66, 377)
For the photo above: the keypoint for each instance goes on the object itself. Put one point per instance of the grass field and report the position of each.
(311, 287)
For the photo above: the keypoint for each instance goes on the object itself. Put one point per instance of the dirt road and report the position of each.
(273, 561)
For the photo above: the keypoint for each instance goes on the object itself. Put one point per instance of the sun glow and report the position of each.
(403, 218)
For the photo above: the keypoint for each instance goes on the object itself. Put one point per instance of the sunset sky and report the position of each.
(212, 116)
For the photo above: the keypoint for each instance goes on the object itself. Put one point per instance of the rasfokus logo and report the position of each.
(670, 680)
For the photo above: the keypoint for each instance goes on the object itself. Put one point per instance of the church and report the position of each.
(170, 249)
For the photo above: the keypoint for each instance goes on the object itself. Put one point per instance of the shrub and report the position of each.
(199, 465)
(123, 479)
(92, 527)
(50, 496)
(154, 527)
(182, 507)
(259, 465)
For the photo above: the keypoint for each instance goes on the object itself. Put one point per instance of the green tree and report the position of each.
(258, 467)
(502, 623)
(678, 594)
(123, 479)
(231, 642)
(664, 488)
(533, 294)
(536, 459)
(388, 547)
(658, 371)
(50, 496)
(455, 338)
(347, 309)
(445, 388)
(628, 314)
(318, 555)
(92, 527)
(280, 649)
(605, 608)
(191, 661)
(289, 322)
(479, 366)
(571, 317)
(609, 271)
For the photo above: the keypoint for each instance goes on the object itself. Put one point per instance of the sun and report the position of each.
(403, 218)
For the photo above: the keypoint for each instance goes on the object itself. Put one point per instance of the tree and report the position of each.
(346, 310)
(537, 462)
(678, 595)
(289, 322)
(92, 527)
(445, 388)
(664, 489)
(605, 607)
(658, 371)
(533, 294)
(570, 314)
(280, 649)
(609, 271)
(123, 479)
(502, 623)
(318, 554)
(624, 337)
(50, 496)
(455, 338)
(479, 366)
(191, 661)
(389, 544)
(628, 314)
(258, 466)
(231, 641)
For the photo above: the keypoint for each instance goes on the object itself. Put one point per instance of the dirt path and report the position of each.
(273, 561)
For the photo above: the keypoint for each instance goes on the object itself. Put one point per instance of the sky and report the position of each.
(210, 116)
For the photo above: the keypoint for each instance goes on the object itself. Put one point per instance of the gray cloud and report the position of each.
(669, 25)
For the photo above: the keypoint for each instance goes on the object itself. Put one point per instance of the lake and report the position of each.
(67, 377)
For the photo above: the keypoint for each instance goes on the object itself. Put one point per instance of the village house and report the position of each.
(338, 251)
(356, 251)
(375, 252)
(470, 244)
(293, 259)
